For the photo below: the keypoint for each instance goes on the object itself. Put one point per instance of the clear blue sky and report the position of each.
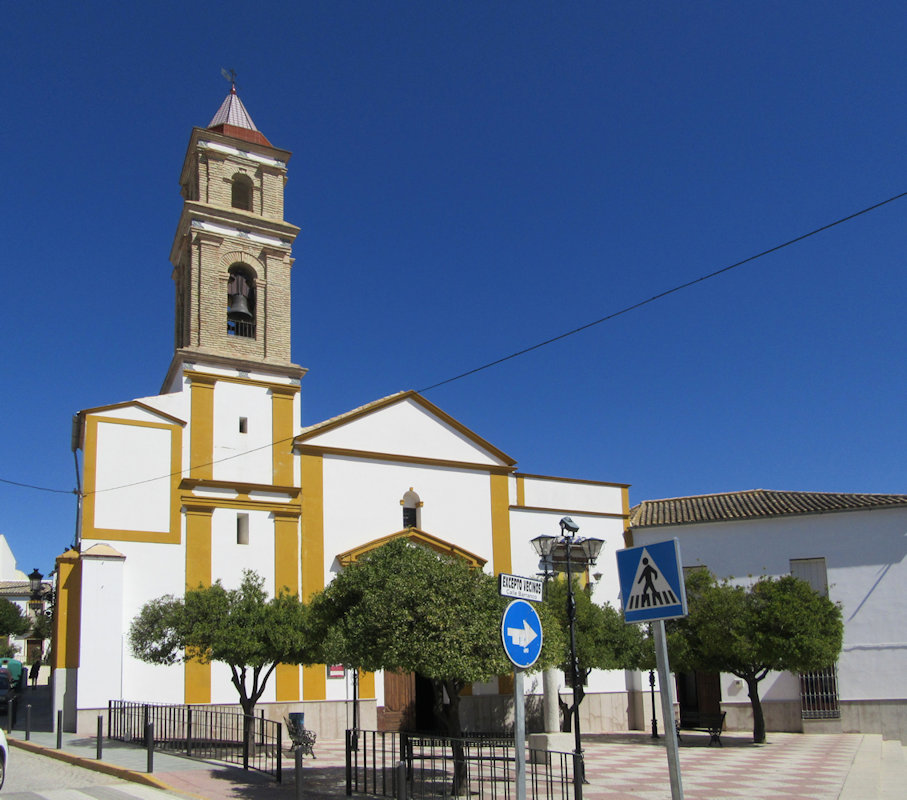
(470, 179)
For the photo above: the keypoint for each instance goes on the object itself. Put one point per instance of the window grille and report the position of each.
(819, 694)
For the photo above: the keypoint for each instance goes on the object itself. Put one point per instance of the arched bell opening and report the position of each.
(241, 302)
(241, 192)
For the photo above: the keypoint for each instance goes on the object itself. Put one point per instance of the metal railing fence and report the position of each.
(202, 732)
(483, 766)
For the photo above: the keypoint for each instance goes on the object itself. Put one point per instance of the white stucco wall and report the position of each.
(101, 647)
(150, 571)
(229, 559)
(866, 559)
(8, 570)
(362, 503)
(562, 498)
(248, 456)
(136, 462)
(405, 428)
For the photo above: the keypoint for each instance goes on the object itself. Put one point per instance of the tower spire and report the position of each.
(232, 119)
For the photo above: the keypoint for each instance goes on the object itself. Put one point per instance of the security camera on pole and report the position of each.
(565, 552)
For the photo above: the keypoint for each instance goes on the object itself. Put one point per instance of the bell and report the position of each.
(239, 308)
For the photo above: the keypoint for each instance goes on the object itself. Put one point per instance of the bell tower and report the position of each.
(232, 253)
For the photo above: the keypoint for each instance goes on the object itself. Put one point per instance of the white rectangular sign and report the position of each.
(519, 587)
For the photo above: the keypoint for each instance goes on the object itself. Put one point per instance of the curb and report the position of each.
(98, 766)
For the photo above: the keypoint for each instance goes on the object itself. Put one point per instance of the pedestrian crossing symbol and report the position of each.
(651, 582)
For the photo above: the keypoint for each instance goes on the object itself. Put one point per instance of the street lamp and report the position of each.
(34, 582)
(561, 553)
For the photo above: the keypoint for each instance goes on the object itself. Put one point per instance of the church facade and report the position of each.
(214, 475)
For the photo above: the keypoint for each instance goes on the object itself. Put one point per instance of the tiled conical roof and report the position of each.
(232, 119)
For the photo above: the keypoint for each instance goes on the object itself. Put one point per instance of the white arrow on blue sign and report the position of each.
(521, 634)
(651, 582)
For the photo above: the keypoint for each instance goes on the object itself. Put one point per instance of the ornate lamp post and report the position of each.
(34, 583)
(562, 553)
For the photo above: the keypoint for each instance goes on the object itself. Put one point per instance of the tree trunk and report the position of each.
(569, 712)
(248, 728)
(752, 686)
(566, 716)
(455, 731)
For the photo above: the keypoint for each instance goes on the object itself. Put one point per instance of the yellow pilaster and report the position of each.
(67, 611)
(500, 544)
(314, 680)
(282, 435)
(366, 684)
(201, 446)
(286, 578)
(198, 572)
(628, 532)
(520, 490)
(500, 523)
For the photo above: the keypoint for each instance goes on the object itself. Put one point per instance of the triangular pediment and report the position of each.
(134, 410)
(404, 425)
(417, 537)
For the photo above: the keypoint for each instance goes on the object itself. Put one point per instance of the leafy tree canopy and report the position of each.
(405, 607)
(12, 621)
(774, 624)
(603, 639)
(242, 628)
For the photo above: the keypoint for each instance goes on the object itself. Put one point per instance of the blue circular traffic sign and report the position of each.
(521, 633)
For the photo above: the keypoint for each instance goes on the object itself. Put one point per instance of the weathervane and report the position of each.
(229, 75)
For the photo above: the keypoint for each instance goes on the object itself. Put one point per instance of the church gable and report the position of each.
(134, 411)
(404, 425)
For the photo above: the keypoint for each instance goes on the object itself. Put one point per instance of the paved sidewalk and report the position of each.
(619, 767)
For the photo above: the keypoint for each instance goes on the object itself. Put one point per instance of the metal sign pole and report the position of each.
(519, 733)
(667, 708)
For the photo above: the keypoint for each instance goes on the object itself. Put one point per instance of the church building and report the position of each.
(215, 475)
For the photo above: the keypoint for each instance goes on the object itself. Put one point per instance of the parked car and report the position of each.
(4, 750)
(7, 689)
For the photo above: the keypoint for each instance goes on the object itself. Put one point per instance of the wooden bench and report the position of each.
(712, 724)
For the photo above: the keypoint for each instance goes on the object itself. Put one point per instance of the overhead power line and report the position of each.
(665, 293)
(533, 347)
(38, 488)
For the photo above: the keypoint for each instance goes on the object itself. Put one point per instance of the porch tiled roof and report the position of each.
(753, 504)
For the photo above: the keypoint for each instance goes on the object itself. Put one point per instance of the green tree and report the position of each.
(603, 639)
(241, 627)
(12, 623)
(773, 625)
(405, 607)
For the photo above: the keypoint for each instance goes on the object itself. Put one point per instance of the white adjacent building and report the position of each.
(215, 475)
(16, 587)
(852, 547)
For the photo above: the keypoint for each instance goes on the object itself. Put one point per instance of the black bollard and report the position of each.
(401, 780)
(28, 722)
(100, 736)
(298, 755)
(149, 744)
(60, 730)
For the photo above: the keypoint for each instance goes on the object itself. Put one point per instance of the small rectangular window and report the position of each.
(243, 424)
(813, 571)
(242, 529)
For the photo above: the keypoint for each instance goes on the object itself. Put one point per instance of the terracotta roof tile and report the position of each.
(232, 119)
(752, 504)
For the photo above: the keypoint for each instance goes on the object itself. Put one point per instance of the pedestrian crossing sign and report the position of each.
(651, 582)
